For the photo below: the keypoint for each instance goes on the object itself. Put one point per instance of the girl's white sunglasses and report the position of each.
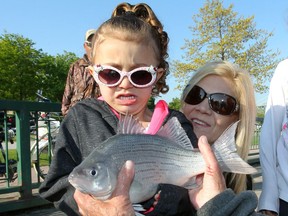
(139, 77)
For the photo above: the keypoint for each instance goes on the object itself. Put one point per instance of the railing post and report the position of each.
(23, 149)
(25, 186)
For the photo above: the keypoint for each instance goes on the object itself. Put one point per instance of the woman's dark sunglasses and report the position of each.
(220, 103)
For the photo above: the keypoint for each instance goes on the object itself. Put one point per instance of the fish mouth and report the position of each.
(103, 195)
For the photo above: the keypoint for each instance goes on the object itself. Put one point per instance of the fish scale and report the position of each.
(151, 156)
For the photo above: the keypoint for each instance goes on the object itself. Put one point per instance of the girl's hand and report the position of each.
(212, 182)
(118, 204)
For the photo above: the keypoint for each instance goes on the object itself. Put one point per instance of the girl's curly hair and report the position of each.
(145, 13)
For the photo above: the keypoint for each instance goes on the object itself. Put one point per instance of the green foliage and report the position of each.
(260, 111)
(24, 70)
(56, 69)
(151, 103)
(19, 68)
(175, 104)
(218, 33)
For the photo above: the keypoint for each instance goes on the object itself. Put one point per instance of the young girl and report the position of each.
(129, 64)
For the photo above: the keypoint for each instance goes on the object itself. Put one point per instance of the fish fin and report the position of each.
(174, 131)
(226, 153)
(138, 208)
(129, 125)
(237, 166)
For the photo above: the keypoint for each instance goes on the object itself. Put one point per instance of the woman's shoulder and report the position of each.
(244, 203)
(175, 113)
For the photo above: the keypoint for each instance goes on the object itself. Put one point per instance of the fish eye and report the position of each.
(93, 172)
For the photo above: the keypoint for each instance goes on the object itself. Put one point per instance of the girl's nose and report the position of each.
(125, 83)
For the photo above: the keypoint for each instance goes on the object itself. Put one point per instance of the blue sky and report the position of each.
(58, 25)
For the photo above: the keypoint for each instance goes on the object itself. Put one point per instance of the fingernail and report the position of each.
(128, 164)
(203, 139)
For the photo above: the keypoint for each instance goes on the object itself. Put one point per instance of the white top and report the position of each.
(273, 148)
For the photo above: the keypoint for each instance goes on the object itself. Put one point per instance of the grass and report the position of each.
(44, 159)
(12, 153)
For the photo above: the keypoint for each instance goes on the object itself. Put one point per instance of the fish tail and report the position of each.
(226, 153)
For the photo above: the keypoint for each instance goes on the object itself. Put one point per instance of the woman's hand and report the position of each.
(118, 204)
(212, 182)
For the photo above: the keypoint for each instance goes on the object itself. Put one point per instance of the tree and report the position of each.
(219, 33)
(56, 70)
(261, 111)
(18, 67)
(151, 103)
(24, 70)
(175, 104)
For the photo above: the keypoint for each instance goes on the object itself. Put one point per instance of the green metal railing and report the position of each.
(24, 186)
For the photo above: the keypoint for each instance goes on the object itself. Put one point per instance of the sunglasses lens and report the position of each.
(108, 76)
(219, 102)
(222, 104)
(195, 96)
(141, 77)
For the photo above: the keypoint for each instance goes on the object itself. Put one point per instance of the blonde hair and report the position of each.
(138, 23)
(244, 91)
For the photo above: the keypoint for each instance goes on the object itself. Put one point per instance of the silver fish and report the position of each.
(167, 157)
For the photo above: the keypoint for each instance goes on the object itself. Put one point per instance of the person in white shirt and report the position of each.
(274, 146)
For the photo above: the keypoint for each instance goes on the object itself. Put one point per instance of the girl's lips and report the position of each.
(126, 99)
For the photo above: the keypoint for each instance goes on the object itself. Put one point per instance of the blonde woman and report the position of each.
(219, 94)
